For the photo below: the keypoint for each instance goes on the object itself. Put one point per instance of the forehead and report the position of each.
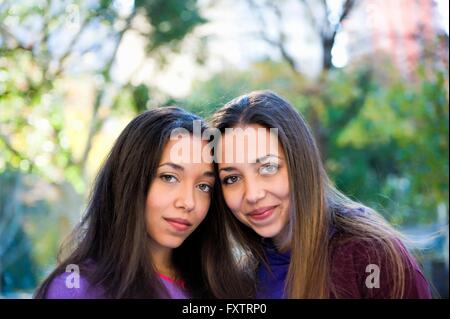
(185, 150)
(246, 144)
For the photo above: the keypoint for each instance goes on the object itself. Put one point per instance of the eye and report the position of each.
(268, 169)
(205, 188)
(168, 178)
(230, 180)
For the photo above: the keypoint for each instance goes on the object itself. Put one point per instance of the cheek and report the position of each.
(283, 191)
(203, 207)
(151, 213)
(157, 201)
(232, 199)
(282, 185)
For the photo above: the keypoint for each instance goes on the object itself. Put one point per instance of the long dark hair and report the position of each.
(110, 245)
(317, 208)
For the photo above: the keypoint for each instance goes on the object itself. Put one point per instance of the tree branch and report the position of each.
(312, 17)
(348, 6)
(71, 45)
(96, 123)
(13, 150)
(7, 34)
(279, 43)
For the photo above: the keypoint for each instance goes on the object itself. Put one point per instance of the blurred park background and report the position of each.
(370, 76)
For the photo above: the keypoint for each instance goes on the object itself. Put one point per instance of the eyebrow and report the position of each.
(258, 161)
(173, 165)
(228, 169)
(263, 158)
(181, 168)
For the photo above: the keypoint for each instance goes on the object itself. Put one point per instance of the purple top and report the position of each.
(59, 290)
(349, 273)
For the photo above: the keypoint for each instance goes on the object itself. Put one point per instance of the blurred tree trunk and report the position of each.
(325, 29)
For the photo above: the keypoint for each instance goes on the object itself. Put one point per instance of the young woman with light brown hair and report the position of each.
(298, 236)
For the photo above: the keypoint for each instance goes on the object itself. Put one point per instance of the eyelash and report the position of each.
(226, 179)
(166, 177)
(276, 166)
(209, 188)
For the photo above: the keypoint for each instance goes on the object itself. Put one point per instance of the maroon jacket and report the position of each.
(359, 269)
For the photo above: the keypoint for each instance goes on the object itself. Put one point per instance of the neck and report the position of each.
(162, 259)
(282, 241)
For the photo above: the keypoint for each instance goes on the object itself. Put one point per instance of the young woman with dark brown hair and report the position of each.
(147, 232)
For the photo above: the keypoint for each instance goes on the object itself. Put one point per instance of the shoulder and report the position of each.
(71, 285)
(175, 288)
(366, 268)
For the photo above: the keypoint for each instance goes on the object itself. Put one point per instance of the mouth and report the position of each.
(179, 224)
(262, 213)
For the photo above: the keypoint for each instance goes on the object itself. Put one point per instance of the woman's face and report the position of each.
(179, 196)
(256, 189)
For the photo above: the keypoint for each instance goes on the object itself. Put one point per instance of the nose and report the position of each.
(254, 191)
(185, 199)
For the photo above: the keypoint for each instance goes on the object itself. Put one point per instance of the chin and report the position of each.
(268, 232)
(171, 242)
(174, 244)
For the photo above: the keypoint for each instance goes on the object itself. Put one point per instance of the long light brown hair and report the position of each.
(317, 208)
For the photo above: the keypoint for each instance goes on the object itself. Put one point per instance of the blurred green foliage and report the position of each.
(172, 19)
(43, 156)
(384, 142)
(384, 139)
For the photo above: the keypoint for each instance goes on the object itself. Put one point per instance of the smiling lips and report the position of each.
(261, 213)
(179, 224)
